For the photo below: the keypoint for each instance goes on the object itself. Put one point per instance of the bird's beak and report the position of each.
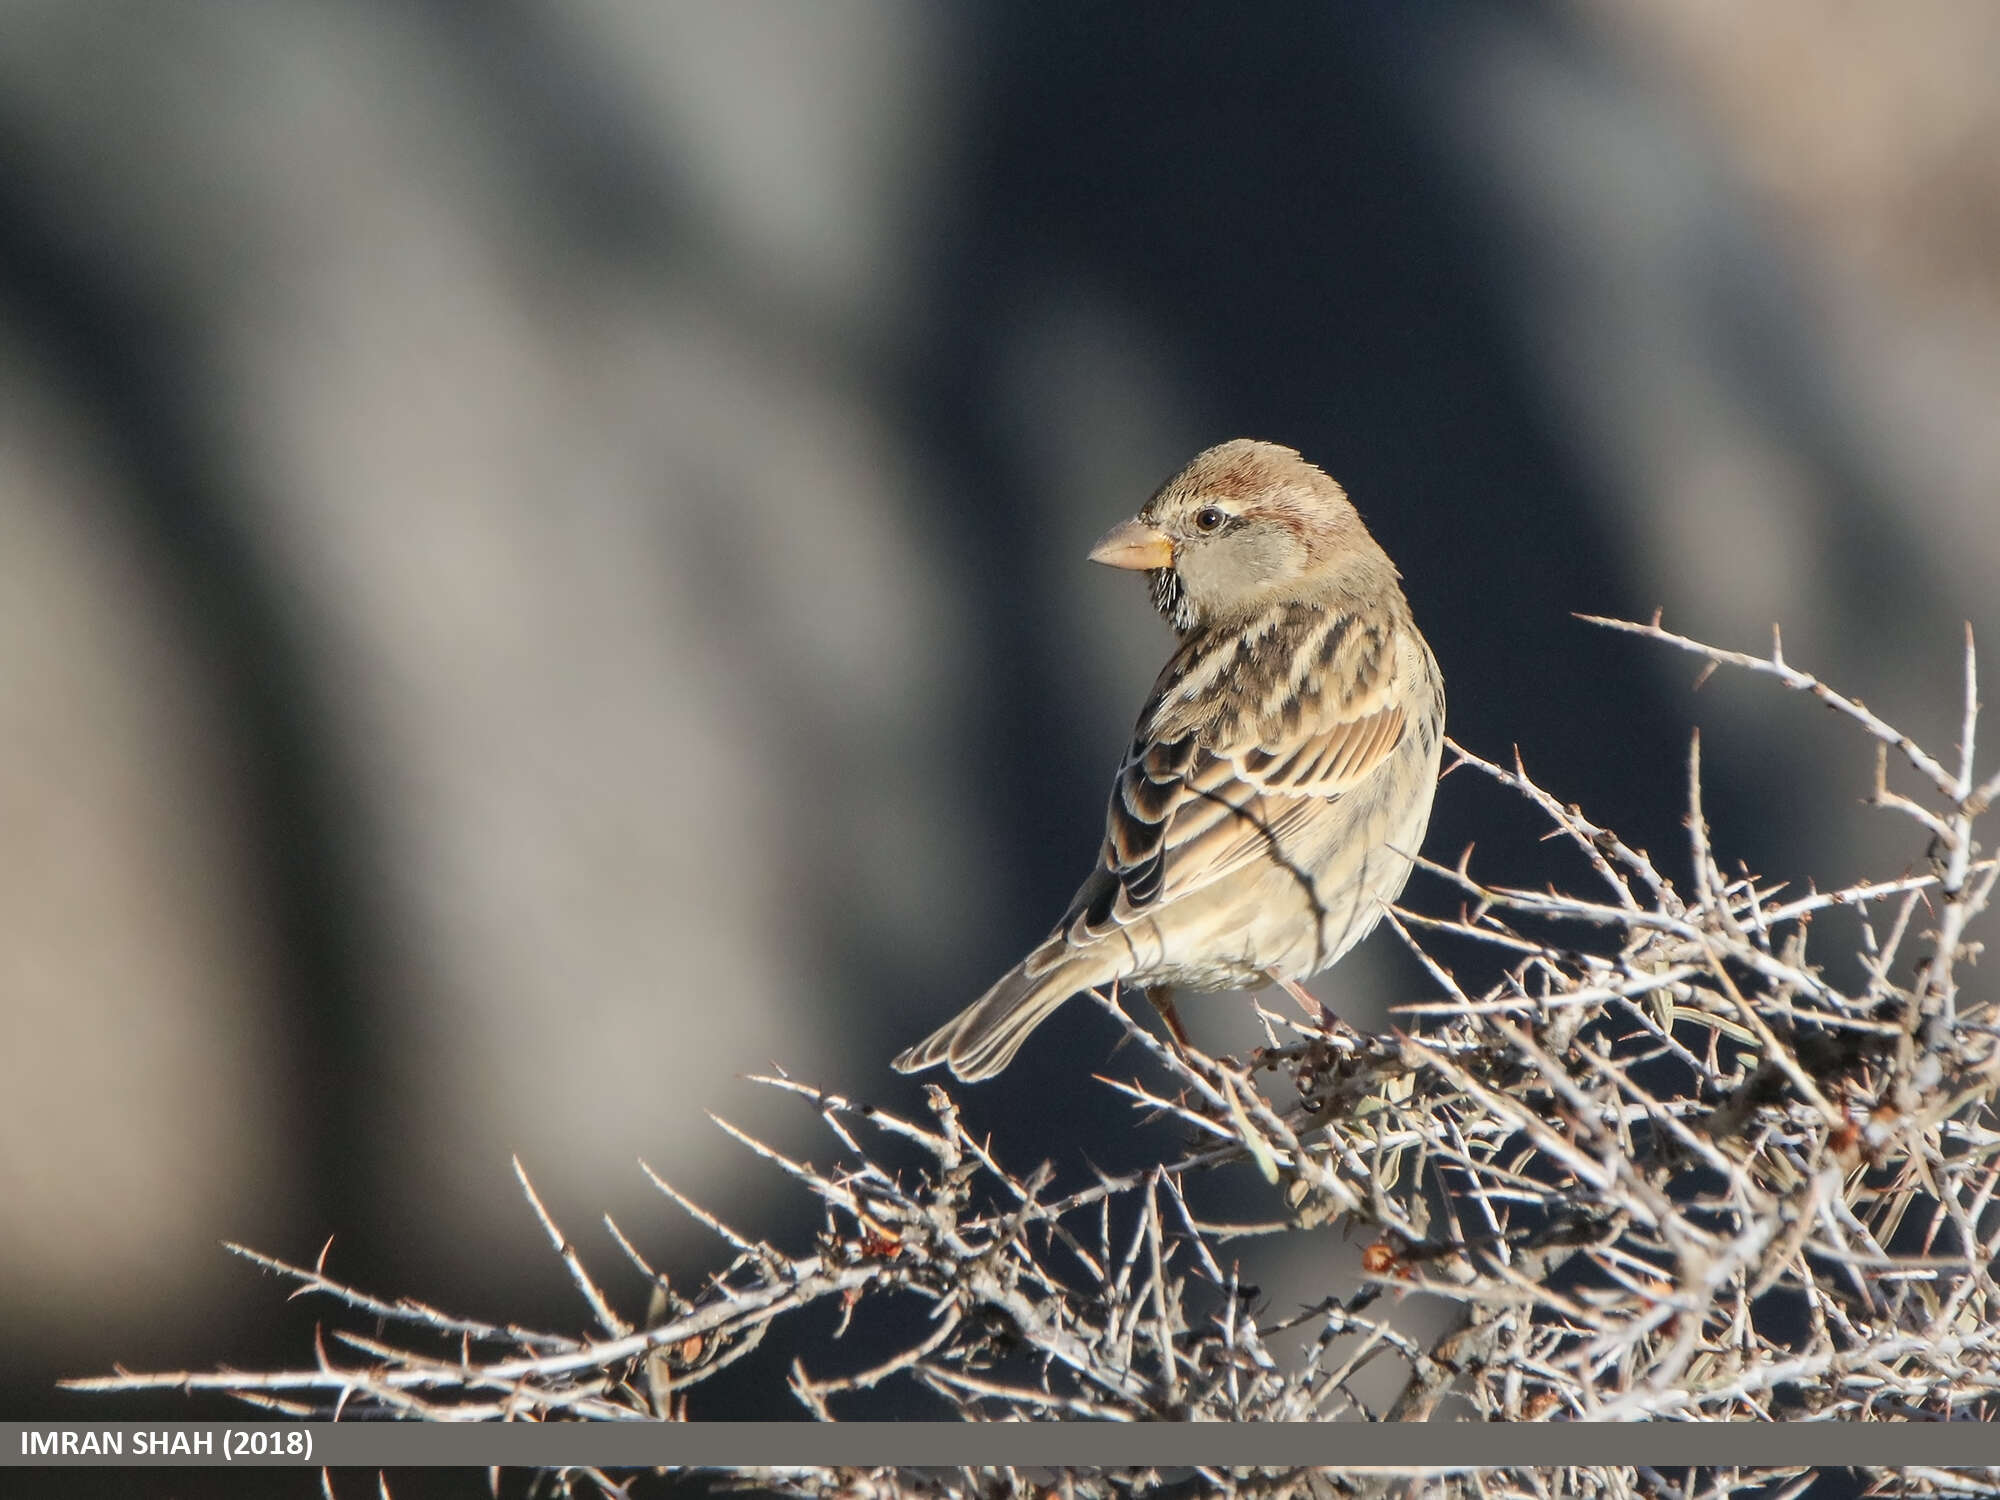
(1135, 545)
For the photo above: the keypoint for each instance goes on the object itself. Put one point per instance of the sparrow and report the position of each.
(1280, 777)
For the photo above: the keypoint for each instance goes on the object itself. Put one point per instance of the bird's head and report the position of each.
(1244, 526)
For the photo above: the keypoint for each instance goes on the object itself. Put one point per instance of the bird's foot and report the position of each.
(1162, 998)
(1321, 1018)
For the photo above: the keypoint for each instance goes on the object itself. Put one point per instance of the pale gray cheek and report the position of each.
(1235, 568)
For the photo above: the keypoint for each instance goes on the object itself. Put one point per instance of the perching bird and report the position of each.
(1281, 773)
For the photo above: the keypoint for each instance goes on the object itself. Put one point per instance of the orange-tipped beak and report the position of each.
(1135, 545)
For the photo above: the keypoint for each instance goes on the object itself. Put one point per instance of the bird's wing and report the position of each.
(1185, 813)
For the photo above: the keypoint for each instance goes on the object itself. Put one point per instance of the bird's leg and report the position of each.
(1314, 1011)
(1162, 998)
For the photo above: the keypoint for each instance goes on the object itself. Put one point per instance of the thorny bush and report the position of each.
(1663, 1168)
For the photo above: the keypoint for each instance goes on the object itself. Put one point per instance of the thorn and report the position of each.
(1657, 612)
(1707, 671)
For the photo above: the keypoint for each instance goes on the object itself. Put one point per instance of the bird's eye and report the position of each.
(1209, 519)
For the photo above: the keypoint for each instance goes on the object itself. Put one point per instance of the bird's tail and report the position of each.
(982, 1039)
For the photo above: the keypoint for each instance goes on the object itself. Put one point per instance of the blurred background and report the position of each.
(541, 548)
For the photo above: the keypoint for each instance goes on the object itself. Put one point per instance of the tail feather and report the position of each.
(982, 1039)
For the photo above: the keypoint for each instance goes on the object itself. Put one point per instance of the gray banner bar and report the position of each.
(1052, 1444)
